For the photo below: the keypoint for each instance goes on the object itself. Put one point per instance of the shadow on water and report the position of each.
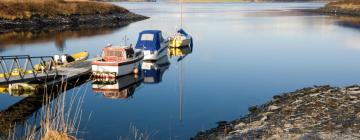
(22, 111)
(57, 35)
(349, 21)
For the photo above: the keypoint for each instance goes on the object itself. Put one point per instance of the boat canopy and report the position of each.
(149, 40)
(182, 31)
(117, 53)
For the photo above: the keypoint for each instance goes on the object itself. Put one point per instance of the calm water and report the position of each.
(243, 55)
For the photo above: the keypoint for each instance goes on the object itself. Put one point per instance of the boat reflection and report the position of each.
(120, 88)
(154, 70)
(180, 53)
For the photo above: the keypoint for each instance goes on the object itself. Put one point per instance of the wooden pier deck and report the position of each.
(66, 73)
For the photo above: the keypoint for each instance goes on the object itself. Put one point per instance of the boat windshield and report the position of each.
(114, 53)
(147, 37)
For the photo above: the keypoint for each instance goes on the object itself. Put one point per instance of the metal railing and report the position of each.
(22, 66)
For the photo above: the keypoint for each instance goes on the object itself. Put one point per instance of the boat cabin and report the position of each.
(150, 40)
(118, 54)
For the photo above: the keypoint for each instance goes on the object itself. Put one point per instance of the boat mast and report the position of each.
(181, 13)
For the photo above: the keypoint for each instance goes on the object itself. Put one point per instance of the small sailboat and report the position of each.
(181, 38)
(153, 71)
(117, 61)
(152, 43)
(120, 88)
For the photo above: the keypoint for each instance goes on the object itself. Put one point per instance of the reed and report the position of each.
(26, 9)
(58, 121)
(60, 115)
(137, 134)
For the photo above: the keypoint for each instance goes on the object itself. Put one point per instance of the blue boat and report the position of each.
(153, 44)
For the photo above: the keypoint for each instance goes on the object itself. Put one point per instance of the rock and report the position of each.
(273, 108)
(240, 125)
(296, 102)
(315, 94)
(253, 109)
(221, 123)
(267, 113)
(353, 97)
(354, 88)
(277, 97)
(77, 21)
(312, 115)
(263, 118)
(288, 125)
(353, 92)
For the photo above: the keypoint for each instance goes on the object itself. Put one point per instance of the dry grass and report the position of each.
(26, 9)
(60, 116)
(136, 134)
(56, 135)
(345, 4)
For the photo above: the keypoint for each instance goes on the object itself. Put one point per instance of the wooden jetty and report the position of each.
(49, 71)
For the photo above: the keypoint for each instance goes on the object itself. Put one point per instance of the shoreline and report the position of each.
(73, 22)
(40, 15)
(319, 112)
(343, 8)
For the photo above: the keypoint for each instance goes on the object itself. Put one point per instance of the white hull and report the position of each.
(180, 40)
(119, 70)
(156, 54)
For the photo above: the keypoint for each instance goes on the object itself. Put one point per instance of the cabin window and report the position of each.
(147, 37)
(114, 53)
(118, 53)
(109, 53)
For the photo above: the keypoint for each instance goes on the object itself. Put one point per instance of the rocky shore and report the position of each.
(320, 112)
(35, 15)
(69, 22)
